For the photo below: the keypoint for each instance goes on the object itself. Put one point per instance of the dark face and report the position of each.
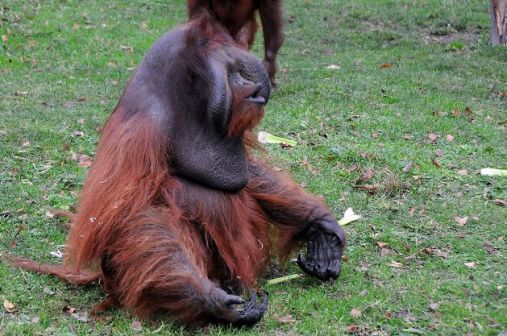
(204, 98)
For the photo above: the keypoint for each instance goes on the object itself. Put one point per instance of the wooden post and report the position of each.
(499, 22)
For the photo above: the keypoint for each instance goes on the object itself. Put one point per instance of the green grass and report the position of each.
(64, 65)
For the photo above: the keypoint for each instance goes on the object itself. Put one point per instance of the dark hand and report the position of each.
(238, 312)
(325, 240)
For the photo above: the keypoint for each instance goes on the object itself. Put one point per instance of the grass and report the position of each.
(406, 69)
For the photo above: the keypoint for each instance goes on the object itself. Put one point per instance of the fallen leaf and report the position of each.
(352, 168)
(128, 49)
(500, 202)
(77, 134)
(56, 254)
(25, 143)
(395, 264)
(469, 114)
(407, 136)
(69, 310)
(471, 264)
(439, 153)
(355, 313)
(136, 325)
(50, 214)
(406, 316)
(455, 113)
(408, 167)
(286, 319)
(461, 220)
(83, 160)
(432, 137)
(386, 66)
(309, 166)
(48, 291)
(382, 245)
(69, 104)
(384, 252)
(488, 246)
(363, 155)
(462, 172)
(434, 306)
(366, 176)
(449, 138)
(436, 162)
(9, 307)
(369, 188)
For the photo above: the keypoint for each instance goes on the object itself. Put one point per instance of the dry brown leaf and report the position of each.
(286, 319)
(355, 313)
(69, 310)
(128, 49)
(9, 306)
(461, 220)
(449, 138)
(488, 246)
(69, 104)
(369, 188)
(471, 264)
(434, 306)
(363, 155)
(83, 160)
(352, 168)
(462, 172)
(408, 167)
(500, 202)
(384, 252)
(382, 245)
(366, 176)
(136, 325)
(407, 136)
(386, 66)
(432, 137)
(436, 162)
(309, 166)
(395, 264)
(455, 113)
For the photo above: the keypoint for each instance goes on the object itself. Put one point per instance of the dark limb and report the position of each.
(299, 217)
(271, 15)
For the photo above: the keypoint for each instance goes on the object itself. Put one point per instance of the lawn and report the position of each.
(395, 107)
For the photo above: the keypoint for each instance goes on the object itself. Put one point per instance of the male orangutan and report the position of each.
(238, 17)
(176, 216)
